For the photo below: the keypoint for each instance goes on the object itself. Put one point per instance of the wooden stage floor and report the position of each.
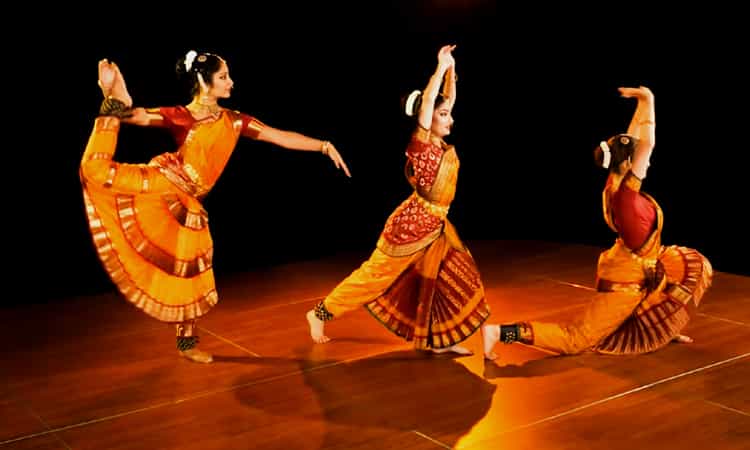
(95, 373)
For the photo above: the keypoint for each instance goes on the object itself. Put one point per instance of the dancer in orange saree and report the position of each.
(148, 225)
(647, 291)
(421, 281)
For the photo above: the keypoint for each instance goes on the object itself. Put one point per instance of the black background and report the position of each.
(537, 91)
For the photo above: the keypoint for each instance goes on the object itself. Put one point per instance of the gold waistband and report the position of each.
(181, 175)
(603, 285)
(433, 208)
(653, 275)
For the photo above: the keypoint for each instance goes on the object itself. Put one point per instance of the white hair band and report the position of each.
(410, 102)
(607, 155)
(189, 58)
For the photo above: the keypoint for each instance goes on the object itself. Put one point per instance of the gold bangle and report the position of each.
(324, 147)
(647, 122)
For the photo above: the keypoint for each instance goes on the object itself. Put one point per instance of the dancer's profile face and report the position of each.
(221, 82)
(442, 120)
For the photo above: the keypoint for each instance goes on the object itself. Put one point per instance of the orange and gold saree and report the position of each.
(646, 296)
(147, 222)
(421, 281)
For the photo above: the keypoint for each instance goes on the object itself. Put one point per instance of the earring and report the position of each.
(202, 83)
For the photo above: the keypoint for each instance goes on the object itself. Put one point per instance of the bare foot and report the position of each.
(682, 339)
(106, 77)
(455, 349)
(316, 328)
(119, 90)
(198, 356)
(112, 82)
(490, 337)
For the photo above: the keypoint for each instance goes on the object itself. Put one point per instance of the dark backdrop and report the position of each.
(537, 91)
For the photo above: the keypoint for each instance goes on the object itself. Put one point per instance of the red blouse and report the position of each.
(179, 121)
(412, 220)
(633, 213)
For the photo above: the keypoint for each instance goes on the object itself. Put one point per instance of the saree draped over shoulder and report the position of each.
(421, 281)
(147, 222)
(646, 295)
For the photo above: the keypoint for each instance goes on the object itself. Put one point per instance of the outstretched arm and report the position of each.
(642, 126)
(445, 62)
(295, 141)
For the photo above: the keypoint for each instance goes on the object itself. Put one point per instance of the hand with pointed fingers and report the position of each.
(337, 159)
(640, 93)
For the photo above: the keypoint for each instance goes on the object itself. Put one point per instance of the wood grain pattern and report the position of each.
(95, 373)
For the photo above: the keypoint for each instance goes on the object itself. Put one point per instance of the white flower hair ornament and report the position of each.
(410, 101)
(606, 154)
(189, 58)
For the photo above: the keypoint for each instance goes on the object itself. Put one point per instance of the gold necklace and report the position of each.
(207, 109)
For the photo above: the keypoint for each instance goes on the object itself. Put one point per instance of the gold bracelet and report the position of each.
(647, 122)
(324, 147)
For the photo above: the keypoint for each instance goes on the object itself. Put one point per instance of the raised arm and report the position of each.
(642, 126)
(449, 85)
(445, 62)
(296, 141)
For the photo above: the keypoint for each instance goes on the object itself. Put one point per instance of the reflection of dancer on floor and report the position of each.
(420, 281)
(148, 225)
(647, 292)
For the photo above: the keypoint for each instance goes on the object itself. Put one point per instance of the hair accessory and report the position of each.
(189, 58)
(606, 153)
(410, 101)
